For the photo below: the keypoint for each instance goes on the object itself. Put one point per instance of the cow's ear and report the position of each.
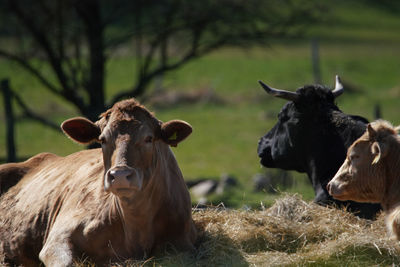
(371, 132)
(379, 151)
(175, 131)
(81, 130)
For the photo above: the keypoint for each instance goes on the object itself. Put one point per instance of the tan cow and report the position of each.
(371, 172)
(121, 201)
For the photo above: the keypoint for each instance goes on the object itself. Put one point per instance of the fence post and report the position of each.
(315, 60)
(10, 142)
(377, 111)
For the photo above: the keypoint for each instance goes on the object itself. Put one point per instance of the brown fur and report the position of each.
(62, 210)
(12, 173)
(371, 172)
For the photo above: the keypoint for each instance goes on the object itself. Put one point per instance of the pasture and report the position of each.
(225, 134)
(265, 229)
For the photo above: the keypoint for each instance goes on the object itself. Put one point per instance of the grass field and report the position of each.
(361, 45)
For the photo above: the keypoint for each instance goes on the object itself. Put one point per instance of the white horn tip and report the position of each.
(338, 87)
(338, 79)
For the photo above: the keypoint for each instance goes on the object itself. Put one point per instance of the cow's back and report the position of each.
(12, 173)
(30, 207)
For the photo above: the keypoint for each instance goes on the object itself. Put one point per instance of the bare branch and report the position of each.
(34, 116)
(193, 53)
(60, 35)
(27, 66)
(43, 41)
(62, 30)
(55, 61)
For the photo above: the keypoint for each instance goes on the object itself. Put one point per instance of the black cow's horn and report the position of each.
(338, 87)
(280, 93)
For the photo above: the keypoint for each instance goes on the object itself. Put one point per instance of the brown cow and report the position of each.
(121, 201)
(371, 172)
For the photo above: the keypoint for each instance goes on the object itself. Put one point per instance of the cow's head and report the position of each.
(363, 176)
(287, 143)
(132, 141)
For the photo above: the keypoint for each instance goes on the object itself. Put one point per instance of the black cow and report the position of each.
(312, 136)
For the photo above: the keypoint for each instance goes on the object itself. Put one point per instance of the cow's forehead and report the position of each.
(128, 112)
(358, 145)
(315, 91)
(127, 108)
(311, 98)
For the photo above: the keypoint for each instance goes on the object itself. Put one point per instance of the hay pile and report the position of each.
(290, 233)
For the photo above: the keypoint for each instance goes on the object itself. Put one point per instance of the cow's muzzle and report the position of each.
(122, 178)
(335, 190)
(265, 155)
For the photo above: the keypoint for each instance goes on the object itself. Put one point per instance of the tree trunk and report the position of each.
(94, 26)
(10, 143)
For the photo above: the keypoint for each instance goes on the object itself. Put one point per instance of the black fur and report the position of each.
(312, 136)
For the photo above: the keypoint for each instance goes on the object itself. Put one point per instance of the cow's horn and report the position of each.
(280, 93)
(338, 87)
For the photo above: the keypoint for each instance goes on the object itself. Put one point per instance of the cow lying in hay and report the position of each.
(121, 201)
(312, 136)
(371, 172)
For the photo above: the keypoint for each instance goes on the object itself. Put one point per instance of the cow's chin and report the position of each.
(125, 192)
(346, 195)
(342, 197)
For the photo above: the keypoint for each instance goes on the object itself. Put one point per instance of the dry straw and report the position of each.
(290, 233)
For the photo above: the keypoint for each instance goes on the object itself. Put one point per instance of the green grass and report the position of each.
(361, 45)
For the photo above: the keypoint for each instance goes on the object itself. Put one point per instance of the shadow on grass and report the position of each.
(212, 249)
(218, 250)
(363, 255)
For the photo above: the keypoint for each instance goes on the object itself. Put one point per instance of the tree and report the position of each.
(75, 38)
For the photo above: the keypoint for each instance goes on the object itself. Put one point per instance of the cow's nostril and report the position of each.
(111, 175)
(119, 173)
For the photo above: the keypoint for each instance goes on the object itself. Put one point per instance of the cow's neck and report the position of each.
(346, 127)
(319, 177)
(391, 180)
(137, 214)
(135, 221)
(336, 136)
(325, 160)
(161, 200)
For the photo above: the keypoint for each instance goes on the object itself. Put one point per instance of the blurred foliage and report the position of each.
(72, 40)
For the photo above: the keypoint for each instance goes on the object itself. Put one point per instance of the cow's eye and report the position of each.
(102, 140)
(148, 139)
(353, 157)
